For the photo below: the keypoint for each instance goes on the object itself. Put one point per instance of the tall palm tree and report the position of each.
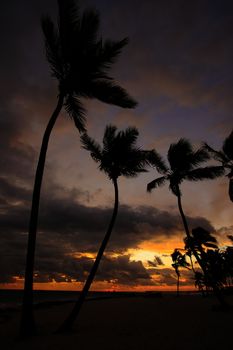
(80, 62)
(184, 163)
(119, 156)
(225, 156)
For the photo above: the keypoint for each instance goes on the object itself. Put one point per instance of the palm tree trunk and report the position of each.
(178, 286)
(27, 325)
(216, 290)
(183, 217)
(68, 323)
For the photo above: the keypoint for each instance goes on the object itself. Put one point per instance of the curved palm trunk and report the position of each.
(68, 323)
(216, 290)
(27, 326)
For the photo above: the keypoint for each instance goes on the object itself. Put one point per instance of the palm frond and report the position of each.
(52, 47)
(137, 161)
(76, 111)
(209, 172)
(89, 27)
(110, 51)
(217, 155)
(109, 137)
(128, 137)
(210, 245)
(199, 156)
(108, 92)
(228, 146)
(68, 22)
(160, 181)
(179, 155)
(156, 160)
(92, 146)
(203, 237)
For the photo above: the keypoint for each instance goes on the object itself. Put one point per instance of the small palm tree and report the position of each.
(119, 156)
(80, 62)
(179, 260)
(225, 156)
(184, 164)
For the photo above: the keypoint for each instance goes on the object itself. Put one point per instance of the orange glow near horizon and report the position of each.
(144, 253)
(97, 287)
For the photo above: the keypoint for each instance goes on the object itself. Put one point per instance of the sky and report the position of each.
(178, 66)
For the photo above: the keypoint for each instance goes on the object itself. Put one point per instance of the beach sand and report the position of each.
(136, 323)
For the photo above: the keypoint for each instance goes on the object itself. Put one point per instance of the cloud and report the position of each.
(67, 228)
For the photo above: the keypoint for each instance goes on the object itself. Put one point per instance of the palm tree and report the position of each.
(184, 164)
(80, 62)
(200, 240)
(225, 156)
(119, 156)
(179, 260)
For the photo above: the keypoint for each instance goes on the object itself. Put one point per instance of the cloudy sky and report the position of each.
(178, 66)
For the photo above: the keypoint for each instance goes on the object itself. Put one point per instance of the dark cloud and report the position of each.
(156, 262)
(168, 277)
(68, 228)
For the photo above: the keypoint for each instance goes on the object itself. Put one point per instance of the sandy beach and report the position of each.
(166, 322)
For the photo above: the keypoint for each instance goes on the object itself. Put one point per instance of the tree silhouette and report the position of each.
(179, 260)
(80, 62)
(119, 156)
(228, 265)
(184, 164)
(199, 242)
(225, 156)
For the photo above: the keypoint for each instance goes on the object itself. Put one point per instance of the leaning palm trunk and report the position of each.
(68, 323)
(216, 290)
(27, 326)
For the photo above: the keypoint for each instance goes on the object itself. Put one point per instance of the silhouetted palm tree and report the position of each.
(119, 156)
(184, 164)
(179, 260)
(225, 156)
(228, 265)
(200, 240)
(80, 62)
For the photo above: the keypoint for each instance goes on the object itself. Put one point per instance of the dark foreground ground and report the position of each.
(137, 323)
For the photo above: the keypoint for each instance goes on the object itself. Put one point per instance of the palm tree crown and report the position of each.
(80, 61)
(225, 156)
(119, 155)
(184, 164)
